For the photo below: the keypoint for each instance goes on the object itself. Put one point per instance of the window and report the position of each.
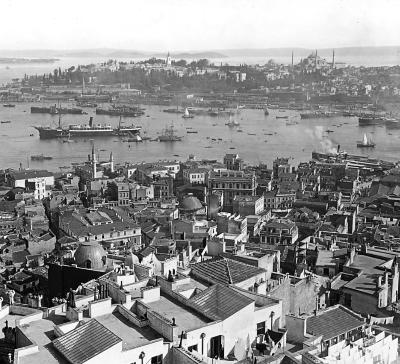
(156, 359)
(192, 348)
(261, 328)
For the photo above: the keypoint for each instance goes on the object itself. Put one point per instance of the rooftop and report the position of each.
(225, 271)
(86, 342)
(220, 301)
(333, 322)
(184, 317)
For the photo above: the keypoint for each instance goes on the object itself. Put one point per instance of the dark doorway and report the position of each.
(216, 348)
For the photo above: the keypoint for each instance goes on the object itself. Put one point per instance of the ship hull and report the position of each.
(363, 121)
(119, 113)
(49, 133)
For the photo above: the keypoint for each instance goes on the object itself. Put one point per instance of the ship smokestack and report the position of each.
(338, 148)
(91, 121)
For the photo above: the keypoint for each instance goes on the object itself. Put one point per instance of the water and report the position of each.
(295, 141)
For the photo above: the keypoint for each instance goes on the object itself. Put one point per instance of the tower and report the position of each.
(333, 58)
(111, 163)
(292, 60)
(94, 163)
(168, 61)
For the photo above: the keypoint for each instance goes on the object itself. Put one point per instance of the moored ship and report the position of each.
(370, 120)
(55, 110)
(168, 135)
(86, 130)
(132, 111)
(318, 115)
(40, 157)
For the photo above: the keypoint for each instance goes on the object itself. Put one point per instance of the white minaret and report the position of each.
(169, 61)
(111, 163)
(94, 163)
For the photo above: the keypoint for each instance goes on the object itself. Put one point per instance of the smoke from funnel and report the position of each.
(317, 134)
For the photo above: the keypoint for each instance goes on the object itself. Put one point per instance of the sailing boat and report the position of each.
(168, 135)
(366, 143)
(232, 122)
(187, 115)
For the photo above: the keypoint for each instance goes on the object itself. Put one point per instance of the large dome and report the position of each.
(90, 255)
(191, 203)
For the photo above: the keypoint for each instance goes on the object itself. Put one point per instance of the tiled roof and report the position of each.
(225, 271)
(220, 302)
(86, 342)
(333, 322)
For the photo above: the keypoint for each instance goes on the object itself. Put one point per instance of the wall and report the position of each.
(362, 303)
(132, 317)
(296, 328)
(150, 294)
(100, 307)
(163, 326)
(181, 356)
(215, 248)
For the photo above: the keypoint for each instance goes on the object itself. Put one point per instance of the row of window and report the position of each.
(232, 185)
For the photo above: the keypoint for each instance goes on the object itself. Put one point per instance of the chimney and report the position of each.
(379, 282)
(386, 277)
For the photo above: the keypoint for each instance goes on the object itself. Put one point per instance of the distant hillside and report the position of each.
(304, 52)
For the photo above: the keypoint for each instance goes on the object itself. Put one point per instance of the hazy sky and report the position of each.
(160, 25)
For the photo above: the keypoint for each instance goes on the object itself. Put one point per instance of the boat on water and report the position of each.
(318, 115)
(8, 105)
(53, 110)
(372, 119)
(169, 135)
(121, 110)
(232, 122)
(191, 131)
(266, 112)
(135, 139)
(392, 123)
(282, 117)
(85, 130)
(40, 157)
(173, 111)
(292, 122)
(329, 131)
(187, 115)
(86, 104)
(6, 121)
(366, 143)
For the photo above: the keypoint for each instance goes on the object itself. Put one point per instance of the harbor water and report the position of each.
(262, 138)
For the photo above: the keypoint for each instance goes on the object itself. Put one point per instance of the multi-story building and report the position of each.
(248, 205)
(231, 184)
(279, 231)
(103, 224)
(195, 176)
(39, 181)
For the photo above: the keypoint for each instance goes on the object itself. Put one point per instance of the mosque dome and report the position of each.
(191, 203)
(90, 255)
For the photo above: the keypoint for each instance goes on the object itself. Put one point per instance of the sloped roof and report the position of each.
(220, 301)
(225, 271)
(85, 342)
(333, 322)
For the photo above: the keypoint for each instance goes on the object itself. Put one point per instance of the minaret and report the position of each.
(333, 58)
(94, 163)
(111, 163)
(168, 59)
(292, 60)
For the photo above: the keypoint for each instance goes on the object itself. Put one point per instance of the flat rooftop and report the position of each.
(42, 333)
(184, 318)
(131, 335)
(368, 264)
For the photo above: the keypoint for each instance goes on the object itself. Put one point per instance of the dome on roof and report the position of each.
(90, 255)
(191, 203)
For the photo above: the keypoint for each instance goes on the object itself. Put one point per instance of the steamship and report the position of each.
(86, 130)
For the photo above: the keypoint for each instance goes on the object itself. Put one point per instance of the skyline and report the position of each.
(184, 26)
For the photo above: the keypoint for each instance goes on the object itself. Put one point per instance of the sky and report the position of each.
(187, 25)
